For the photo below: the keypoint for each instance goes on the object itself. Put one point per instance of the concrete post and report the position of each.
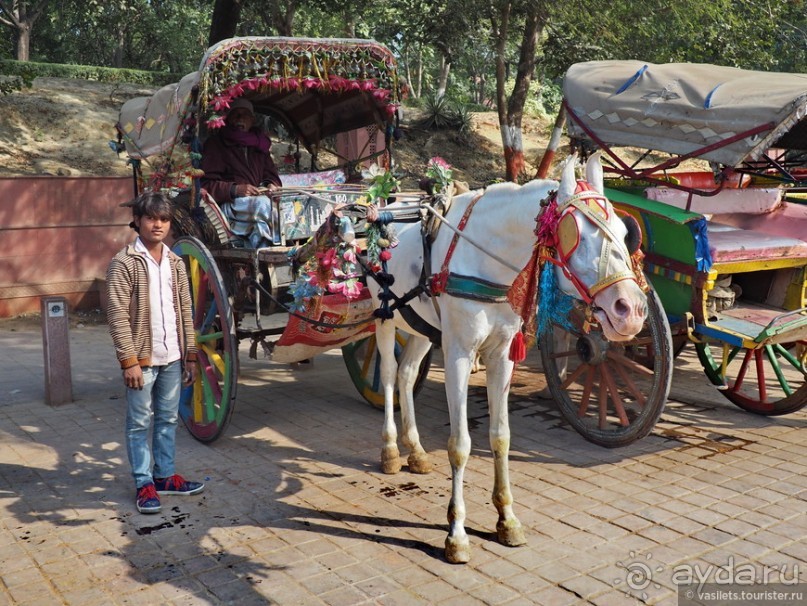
(58, 379)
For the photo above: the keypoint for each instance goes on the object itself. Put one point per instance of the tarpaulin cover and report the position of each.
(680, 108)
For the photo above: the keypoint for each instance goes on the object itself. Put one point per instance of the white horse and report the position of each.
(501, 225)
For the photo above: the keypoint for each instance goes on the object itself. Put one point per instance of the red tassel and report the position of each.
(518, 351)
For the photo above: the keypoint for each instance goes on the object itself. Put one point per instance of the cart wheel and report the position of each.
(207, 405)
(769, 380)
(364, 366)
(603, 389)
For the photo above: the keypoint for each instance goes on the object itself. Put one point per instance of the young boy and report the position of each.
(149, 315)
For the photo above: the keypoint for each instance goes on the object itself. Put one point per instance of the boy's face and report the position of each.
(153, 230)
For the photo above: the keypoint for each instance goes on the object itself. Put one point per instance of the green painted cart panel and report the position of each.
(668, 238)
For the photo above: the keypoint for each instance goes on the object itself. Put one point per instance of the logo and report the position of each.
(639, 574)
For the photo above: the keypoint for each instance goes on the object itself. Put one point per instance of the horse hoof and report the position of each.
(419, 463)
(511, 533)
(390, 461)
(458, 552)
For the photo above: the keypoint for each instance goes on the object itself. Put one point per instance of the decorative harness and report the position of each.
(469, 287)
(557, 230)
(565, 239)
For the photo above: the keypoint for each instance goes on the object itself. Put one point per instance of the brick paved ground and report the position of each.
(296, 511)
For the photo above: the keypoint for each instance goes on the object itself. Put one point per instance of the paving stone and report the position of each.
(296, 511)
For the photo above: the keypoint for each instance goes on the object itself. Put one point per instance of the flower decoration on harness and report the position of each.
(379, 235)
(330, 266)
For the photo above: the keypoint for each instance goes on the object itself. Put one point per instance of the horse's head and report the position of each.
(593, 253)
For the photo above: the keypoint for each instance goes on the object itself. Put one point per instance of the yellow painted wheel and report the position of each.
(207, 405)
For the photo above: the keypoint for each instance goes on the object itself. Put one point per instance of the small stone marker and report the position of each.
(55, 344)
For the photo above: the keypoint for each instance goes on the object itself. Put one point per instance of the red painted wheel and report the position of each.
(769, 380)
(605, 390)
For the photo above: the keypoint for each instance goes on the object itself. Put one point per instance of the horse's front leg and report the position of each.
(499, 371)
(457, 373)
(408, 367)
(385, 341)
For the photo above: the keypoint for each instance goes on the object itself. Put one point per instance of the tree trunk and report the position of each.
(20, 18)
(224, 21)
(442, 80)
(420, 72)
(511, 111)
(120, 45)
(24, 43)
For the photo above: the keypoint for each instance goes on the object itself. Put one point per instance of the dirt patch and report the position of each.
(63, 127)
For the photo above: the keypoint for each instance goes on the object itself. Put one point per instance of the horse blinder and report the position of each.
(633, 239)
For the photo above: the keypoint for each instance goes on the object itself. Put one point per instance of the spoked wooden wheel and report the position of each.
(207, 405)
(604, 389)
(769, 380)
(364, 366)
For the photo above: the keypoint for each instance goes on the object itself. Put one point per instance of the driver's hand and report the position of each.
(245, 189)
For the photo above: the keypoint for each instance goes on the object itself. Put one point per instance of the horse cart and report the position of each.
(712, 163)
(331, 106)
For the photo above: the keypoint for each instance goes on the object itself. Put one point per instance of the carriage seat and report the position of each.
(297, 215)
(750, 200)
(729, 244)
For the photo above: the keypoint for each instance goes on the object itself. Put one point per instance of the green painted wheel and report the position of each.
(769, 380)
(364, 366)
(603, 389)
(206, 406)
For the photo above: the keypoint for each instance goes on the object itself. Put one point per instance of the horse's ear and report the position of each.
(594, 172)
(568, 182)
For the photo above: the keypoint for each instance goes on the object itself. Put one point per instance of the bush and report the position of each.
(10, 84)
(442, 113)
(26, 71)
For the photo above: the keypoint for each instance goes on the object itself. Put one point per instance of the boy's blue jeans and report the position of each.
(159, 399)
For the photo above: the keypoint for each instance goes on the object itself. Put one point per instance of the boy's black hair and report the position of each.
(151, 204)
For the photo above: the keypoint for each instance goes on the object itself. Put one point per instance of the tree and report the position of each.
(20, 16)
(223, 24)
(511, 111)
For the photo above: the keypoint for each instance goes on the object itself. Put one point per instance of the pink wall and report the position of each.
(57, 235)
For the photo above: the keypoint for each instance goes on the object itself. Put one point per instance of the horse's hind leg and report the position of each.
(408, 366)
(499, 370)
(385, 341)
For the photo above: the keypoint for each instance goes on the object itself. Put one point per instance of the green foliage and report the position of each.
(11, 84)
(740, 33)
(26, 71)
(159, 35)
(441, 113)
(438, 112)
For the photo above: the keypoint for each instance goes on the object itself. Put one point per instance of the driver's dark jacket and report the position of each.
(226, 164)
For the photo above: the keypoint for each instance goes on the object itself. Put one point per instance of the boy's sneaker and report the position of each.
(176, 484)
(147, 499)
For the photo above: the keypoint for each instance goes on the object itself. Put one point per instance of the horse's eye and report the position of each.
(633, 239)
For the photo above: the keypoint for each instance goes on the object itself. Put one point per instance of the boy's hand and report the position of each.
(133, 377)
(190, 374)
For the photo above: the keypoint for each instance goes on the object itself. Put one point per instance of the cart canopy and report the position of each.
(721, 114)
(318, 87)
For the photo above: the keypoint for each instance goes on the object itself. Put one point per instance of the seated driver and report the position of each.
(237, 162)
